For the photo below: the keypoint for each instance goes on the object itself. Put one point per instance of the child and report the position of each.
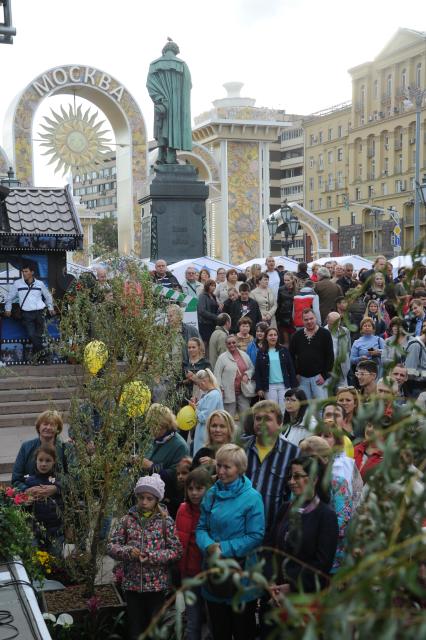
(196, 485)
(47, 509)
(176, 491)
(145, 541)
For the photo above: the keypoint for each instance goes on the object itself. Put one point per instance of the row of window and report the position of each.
(294, 189)
(107, 172)
(294, 172)
(100, 202)
(292, 153)
(95, 188)
(333, 182)
(319, 138)
(404, 84)
(291, 134)
(330, 158)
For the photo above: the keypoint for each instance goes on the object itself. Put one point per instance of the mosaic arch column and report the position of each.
(126, 120)
(4, 162)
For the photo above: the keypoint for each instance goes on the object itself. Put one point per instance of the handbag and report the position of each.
(248, 389)
(16, 312)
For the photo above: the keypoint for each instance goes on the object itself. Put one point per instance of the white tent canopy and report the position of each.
(357, 261)
(178, 268)
(406, 261)
(288, 263)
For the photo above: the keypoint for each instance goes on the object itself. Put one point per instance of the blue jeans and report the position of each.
(195, 616)
(312, 389)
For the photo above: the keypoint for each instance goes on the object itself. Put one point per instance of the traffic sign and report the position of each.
(397, 230)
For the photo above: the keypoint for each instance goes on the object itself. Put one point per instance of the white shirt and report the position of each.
(274, 282)
(33, 295)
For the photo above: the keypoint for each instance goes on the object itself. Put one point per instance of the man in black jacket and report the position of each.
(244, 306)
(313, 356)
(164, 277)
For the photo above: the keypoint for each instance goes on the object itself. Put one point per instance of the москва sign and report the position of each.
(76, 74)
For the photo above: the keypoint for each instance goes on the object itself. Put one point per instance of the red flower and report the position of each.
(10, 492)
(20, 498)
(93, 604)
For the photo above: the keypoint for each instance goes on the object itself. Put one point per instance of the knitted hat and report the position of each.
(151, 484)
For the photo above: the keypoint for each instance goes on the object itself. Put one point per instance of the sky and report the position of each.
(290, 54)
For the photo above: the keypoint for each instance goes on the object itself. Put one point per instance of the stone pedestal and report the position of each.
(174, 215)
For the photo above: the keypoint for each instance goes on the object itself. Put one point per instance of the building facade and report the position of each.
(97, 189)
(360, 156)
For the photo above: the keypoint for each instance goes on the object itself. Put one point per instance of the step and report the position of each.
(29, 395)
(44, 370)
(39, 382)
(24, 419)
(34, 405)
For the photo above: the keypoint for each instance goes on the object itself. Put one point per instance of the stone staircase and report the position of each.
(26, 391)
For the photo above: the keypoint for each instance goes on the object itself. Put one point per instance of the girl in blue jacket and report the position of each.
(232, 523)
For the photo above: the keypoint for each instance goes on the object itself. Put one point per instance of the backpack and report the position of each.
(300, 303)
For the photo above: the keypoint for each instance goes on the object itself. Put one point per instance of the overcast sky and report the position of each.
(291, 54)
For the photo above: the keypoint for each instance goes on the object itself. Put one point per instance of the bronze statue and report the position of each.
(169, 86)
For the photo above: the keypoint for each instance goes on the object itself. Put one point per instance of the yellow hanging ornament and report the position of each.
(186, 418)
(95, 356)
(136, 398)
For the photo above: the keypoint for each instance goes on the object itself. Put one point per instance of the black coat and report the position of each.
(284, 313)
(261, 370)
(47, 512)
(236, 312)
(207, 310)
(311, 537)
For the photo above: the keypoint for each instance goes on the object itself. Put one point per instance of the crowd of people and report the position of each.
(277, 374)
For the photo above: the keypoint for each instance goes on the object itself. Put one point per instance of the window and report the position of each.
(311, 205)
(353, 218)
(113, 171)
(94, 175)
(294, 189)
(330, 157)
(389, 86)
(311, 184)
(311, 162)
(418, 75)
(360, 171)
(400, 163)
(292, 153)
(384, 189)
(404, 79)
(339, 131)
(340, 154)
(320, 182)
(320, 203)
(320, 161)
(362, 97)
(330, 181)
(386, 166)
(311, 139)
(371, 191)
(328, 202)
(357, 193)
(340, 180)
(330, 222)
(320, 136)
(353, 242)
(330, 134)
(373, 170)
(376, 89)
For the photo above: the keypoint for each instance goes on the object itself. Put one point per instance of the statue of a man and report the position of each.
(169, 85)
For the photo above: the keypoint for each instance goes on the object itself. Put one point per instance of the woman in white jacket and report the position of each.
(233, 368)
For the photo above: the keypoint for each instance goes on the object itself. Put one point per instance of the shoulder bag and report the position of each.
(248, 389)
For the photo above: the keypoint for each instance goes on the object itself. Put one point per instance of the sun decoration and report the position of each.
(74, 140)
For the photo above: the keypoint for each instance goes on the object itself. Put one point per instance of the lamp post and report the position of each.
(7, 30)
(10, 181)
(416, 96)
(289, 226)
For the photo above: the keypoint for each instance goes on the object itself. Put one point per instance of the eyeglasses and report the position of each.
(297, 476)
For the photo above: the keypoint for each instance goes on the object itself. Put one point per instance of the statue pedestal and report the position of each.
(174, 215)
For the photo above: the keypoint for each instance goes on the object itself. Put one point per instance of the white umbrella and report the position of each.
(358, 261)
(178, 268)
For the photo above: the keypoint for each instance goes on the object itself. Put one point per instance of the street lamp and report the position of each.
(7, 30)
(10, 181)
(416, 97)
(288, 227)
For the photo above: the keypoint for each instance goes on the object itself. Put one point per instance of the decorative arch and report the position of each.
(4, 162)
(126, 120)
(317, 229)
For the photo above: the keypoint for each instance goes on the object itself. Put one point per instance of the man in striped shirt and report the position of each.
(269, 456)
